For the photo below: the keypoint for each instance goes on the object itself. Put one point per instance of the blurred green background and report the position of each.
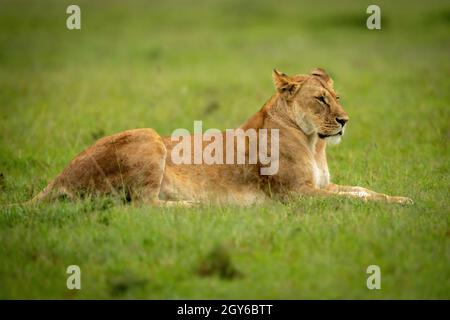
(164, 64)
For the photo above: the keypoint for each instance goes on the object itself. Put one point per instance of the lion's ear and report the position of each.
(319, 72)
(283, 83)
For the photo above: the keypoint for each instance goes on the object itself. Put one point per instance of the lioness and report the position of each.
(137, 163)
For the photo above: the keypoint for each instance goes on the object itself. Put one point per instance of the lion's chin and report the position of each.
(333, 140)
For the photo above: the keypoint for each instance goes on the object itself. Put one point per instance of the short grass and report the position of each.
(164, 64)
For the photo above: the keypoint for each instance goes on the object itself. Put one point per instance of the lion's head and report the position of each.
(311, 102)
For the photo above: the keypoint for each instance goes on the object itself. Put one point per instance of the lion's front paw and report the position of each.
(401, 200)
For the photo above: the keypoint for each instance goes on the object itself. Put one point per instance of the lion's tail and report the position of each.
(45, 194)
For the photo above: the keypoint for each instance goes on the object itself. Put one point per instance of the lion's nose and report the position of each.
(342, 121)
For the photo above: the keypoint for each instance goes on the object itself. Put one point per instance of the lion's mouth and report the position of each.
(323, 136)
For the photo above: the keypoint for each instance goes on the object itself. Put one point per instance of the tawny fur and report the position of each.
(136, 164)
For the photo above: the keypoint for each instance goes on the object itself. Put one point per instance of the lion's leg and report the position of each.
(179, 203)
(367, 194)
(145, 180)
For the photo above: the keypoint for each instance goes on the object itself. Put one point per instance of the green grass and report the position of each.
(163, 65)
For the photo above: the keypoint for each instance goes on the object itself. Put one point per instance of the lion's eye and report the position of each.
(321, 99)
